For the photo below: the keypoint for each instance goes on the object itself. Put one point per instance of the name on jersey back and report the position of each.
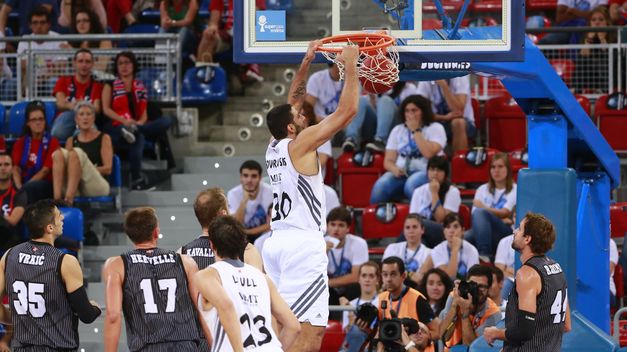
(274, 163)
(31, 259)
(158, 259)
(246, 282)
(199, 252)
(553, 269)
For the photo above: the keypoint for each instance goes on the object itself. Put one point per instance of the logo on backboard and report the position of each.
(270, 26)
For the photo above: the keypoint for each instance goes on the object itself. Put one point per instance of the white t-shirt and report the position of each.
(355, 303)
(505, 254)
(413, 258)
(326, 91)
(584, 5)
(401, 141)
(498, 200)
(421, 201)
(409, 89)
(331, 197)
(47, 45)
(468, 257)
(341, 260)
(613, 259)
(256, 212)
(458, 85)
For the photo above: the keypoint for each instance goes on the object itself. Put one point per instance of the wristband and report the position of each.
(416, 130)
(410, 345)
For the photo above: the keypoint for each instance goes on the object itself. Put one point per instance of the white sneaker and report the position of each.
(128, 136)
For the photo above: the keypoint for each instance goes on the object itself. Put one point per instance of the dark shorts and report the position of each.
(471, 130)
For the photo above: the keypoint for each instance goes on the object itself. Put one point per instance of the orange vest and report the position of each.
(407, 307)
(491, 309)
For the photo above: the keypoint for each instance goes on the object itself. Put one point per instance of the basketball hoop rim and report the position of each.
(357, 38)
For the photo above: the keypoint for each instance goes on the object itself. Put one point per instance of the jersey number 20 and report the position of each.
(558, 308)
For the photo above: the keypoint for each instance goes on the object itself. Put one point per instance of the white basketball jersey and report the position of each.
(248, 289)
(299, 201)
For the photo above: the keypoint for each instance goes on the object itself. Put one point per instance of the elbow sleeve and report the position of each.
(81, 306)
(525, 330)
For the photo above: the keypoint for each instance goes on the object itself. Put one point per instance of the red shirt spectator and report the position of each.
(3, 144)
(226, 9)
(36, 158)
(73, 89)
(120, 100)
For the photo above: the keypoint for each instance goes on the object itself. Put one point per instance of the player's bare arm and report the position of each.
(298, 89)
(283, 314)
(191, 268)
(113, 277)
(253, 257)
(72, 276)
(210, 287)
(5, 315)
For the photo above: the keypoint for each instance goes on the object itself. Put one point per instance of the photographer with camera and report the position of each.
(400, 301)
(468, 309)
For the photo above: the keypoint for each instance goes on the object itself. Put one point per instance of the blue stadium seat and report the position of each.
(139, 28)
(204, 84)
(115, 181)
(3, 124)
(17, 118)
(150, 15)
(285, 5)
(203, 9)
(72, 237)
(154, 80)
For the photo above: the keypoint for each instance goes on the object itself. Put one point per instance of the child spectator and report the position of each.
(85, 162)
(454, 255)
(346, 253)
(415, 255)
(434, 200)
(492, 208)
(32, 155)
(408, 150)
(13, 203)
(436, 286)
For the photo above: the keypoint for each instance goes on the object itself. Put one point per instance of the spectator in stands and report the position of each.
(179, 16)
(40, 22)
(420, 341)
(464, 318)
(613, 262)
(86, 160)
(504, 260)
(492, 208)
(454, 255)
(496, 289)
(416, 256)
(408, 150)
(23, 8)
(85, 22)
(125, 103)
(570, 13)
(405, 301)
(248, 202)
(32, 155)
(13, 204)
(434, 200)
(123, 13)
(452, 107)
(356, 332)
(618, 12)
(436, 287)
(386, 106)
(70, 90)
(70, 8)
(346, 252)
(592, 64)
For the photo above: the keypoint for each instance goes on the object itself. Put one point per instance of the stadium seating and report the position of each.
(516, 160)
(489, 87)
(17, 118)
(464, 213)
(611, 123)
(115, 182)
(285, 5)
(564, 68)
(204, 84)
(374, 227)
(8, 89)
(487, 5)
(72, 237)
(584, 102)
(329, 175)
(139, 28)
(618, 220)
(462, 172)
(3, 122)
(153, 79)
(479, 118)
(356, 180)
(620, 285)
(431, 23)
(333, 336)
(538, 5)
(537, 22)
(450, 6)
(506, 124)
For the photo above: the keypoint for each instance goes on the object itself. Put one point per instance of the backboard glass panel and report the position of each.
(427, 30)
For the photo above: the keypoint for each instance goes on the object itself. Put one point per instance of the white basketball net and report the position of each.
(382, 67)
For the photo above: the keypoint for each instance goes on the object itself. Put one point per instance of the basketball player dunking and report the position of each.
(537, 313)
(295, 255)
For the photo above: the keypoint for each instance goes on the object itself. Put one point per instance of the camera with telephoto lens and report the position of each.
(390, 332)
(469, 287)
(367, 313)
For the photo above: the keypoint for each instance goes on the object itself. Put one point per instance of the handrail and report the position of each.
(617, 316)
(90, 37)
(573, 29)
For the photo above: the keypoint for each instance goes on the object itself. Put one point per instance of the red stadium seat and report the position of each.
(506, 124)
(464, 172)
(487, 5)
(450, 6)
(618, 219)
(515, 159)
(489, 88)
(329, 175)
(356, 181)
(476, 109)
(611, 123)
(374, 228)
(584, 102)
(464, 213)
(431, 23)
(537, 22)
(333, 337)
(620, 285)
(536, 5)
(564, 68)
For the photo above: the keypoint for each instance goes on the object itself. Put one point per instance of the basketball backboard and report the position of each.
(428, 30)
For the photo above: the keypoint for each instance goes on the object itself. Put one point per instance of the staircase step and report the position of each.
(221, 164)
(229, 133)
(200, 181)
(162, 198)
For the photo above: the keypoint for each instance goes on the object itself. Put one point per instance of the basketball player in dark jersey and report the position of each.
(153, 288)
(210, 204)
(537, 312)
(45, 286)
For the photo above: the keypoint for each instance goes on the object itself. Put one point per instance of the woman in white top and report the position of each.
(492, 208)
(409, 147)
(434, 200)
(412, 251)
(454, 255)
